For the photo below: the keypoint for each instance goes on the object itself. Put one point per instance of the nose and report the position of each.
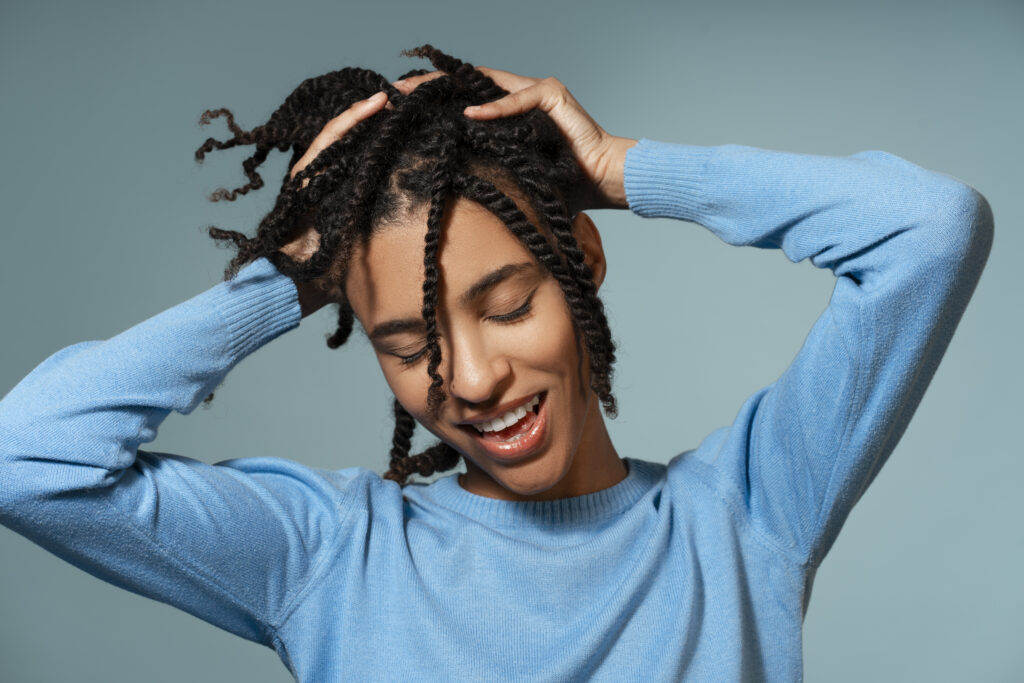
(476, 373)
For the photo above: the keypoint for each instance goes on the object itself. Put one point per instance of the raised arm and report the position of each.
(907, 247)
(232, 543)
(166, 526)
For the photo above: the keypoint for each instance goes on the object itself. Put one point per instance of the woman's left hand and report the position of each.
(601, 156)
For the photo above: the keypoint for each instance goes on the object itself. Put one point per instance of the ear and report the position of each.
(589, 239)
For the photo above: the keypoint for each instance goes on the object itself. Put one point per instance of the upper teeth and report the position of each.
(509, 418)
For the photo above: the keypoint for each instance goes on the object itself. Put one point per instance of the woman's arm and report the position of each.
(907, 247)
(231, 542)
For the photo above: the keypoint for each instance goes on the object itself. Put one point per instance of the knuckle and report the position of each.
(558, 90)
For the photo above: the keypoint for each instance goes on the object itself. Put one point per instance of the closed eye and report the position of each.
(503, 318)
(520, 312)
(409, 360)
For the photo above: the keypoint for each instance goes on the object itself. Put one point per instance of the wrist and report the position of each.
(315, 294)
(311, 298)
(613, 185)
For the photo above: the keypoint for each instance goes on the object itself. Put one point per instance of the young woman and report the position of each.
(457, 238)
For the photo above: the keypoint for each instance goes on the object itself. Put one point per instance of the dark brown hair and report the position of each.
(422, 152)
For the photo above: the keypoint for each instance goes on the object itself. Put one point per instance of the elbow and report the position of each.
(31, 472)
(945, 222)
(966, 229)
(951, 236)
(11, 482)
(982, 224)
(14, 482)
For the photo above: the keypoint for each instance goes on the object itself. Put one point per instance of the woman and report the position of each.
(458, 239)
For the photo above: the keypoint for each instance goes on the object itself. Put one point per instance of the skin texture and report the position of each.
(601, 156)
(487, 363)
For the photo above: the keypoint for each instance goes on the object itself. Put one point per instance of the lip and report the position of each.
(521, 448)
(501, 410)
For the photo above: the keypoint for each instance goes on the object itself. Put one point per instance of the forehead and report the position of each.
(385, 278)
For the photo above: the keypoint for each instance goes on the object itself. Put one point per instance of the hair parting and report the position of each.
(421, 152)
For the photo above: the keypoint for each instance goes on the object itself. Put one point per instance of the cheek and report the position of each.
(544, 344)
(555, 349)
(409, 385)
(547, 342)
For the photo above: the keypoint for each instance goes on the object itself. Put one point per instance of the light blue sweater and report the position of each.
(699, 570)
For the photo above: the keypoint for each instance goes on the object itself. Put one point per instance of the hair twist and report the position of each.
(420, 153)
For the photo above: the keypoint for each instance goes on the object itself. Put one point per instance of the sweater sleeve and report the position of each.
(907, 247)
(230, 542)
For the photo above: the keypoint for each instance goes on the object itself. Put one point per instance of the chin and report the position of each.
(523, 482)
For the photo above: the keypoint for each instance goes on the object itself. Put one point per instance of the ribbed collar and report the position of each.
(590, 507)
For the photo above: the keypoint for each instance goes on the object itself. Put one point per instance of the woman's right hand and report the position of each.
(316, 294)
(601, 156)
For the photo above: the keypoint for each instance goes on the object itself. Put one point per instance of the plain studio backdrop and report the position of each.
(104, 213)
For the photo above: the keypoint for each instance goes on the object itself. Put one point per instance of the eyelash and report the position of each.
(409, 360)
(504, 319)
(516, 314)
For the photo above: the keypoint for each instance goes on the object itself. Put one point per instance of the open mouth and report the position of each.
(516, 433)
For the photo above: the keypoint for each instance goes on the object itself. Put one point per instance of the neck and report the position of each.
(595, 466)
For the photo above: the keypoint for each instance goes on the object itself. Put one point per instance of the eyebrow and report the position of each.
(479, 288)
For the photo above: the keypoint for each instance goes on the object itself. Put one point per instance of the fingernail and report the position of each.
(472, 109)
(376, 97)
(399, 84)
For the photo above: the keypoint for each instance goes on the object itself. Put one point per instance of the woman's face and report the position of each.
(506, 339)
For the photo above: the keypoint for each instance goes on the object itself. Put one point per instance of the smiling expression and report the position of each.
(506, 339)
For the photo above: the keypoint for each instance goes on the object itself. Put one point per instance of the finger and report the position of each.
(336, 128)
(407, 85)
(506, 79)
(538, 95)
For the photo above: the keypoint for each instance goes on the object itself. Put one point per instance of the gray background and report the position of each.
(103, 210)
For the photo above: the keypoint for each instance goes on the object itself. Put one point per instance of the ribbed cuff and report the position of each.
(258, 305)
(666, 180)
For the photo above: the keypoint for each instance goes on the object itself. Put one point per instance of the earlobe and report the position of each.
(589, 239)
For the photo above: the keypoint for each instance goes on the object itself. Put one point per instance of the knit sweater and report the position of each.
(698, 569)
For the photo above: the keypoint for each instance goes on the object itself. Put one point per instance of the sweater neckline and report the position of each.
(589, 507)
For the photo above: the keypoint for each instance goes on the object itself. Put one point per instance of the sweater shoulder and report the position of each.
(697, 480)
(356, 482)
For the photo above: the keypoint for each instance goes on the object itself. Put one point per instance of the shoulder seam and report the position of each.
(844, 443)
(319, 568)
(735, 510)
